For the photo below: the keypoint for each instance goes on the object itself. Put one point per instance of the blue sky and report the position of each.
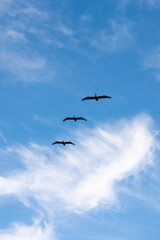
(54, 53)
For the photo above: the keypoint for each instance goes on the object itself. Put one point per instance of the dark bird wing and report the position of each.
(88, 98)
(69, 143)
(67, 118)
(104, 96)
(57, 142)
(81, 118)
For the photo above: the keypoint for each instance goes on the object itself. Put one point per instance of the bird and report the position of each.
(74, 118)
(63, 142)
(95, 97)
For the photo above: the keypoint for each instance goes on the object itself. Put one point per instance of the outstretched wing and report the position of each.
(69, 143)
(57, 142)
(104, 96)
(81, 118)
(67, 118)
(88, 98)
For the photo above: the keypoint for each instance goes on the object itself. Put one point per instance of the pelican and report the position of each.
(63, 143)
(74, 118)
(95, 97)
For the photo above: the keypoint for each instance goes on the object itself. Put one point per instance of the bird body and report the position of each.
(74, 118)
(63, 143)
(95, 97)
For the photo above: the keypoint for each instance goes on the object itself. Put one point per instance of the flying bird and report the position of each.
(74, 118)
(95, 97)
(63, 143)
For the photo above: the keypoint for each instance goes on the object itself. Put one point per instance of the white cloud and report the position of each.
(118, 38)
(84, 176)
(24, 232)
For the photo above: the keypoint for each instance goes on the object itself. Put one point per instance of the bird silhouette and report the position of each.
(63, 143)
(95, 97)
(74, 118)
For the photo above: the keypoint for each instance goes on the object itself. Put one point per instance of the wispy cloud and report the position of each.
(3, 137)
(20, 60)
(26, 68)
(149, 2)
(28, 27)
(51, 121)
(31, 10)
(117, 38)
(5, 5)
(13, 7)
(14, 34)
(64, 30)
(141, 3)
(24, 232)
(123, 3)
(85, 18)
(153, 62)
